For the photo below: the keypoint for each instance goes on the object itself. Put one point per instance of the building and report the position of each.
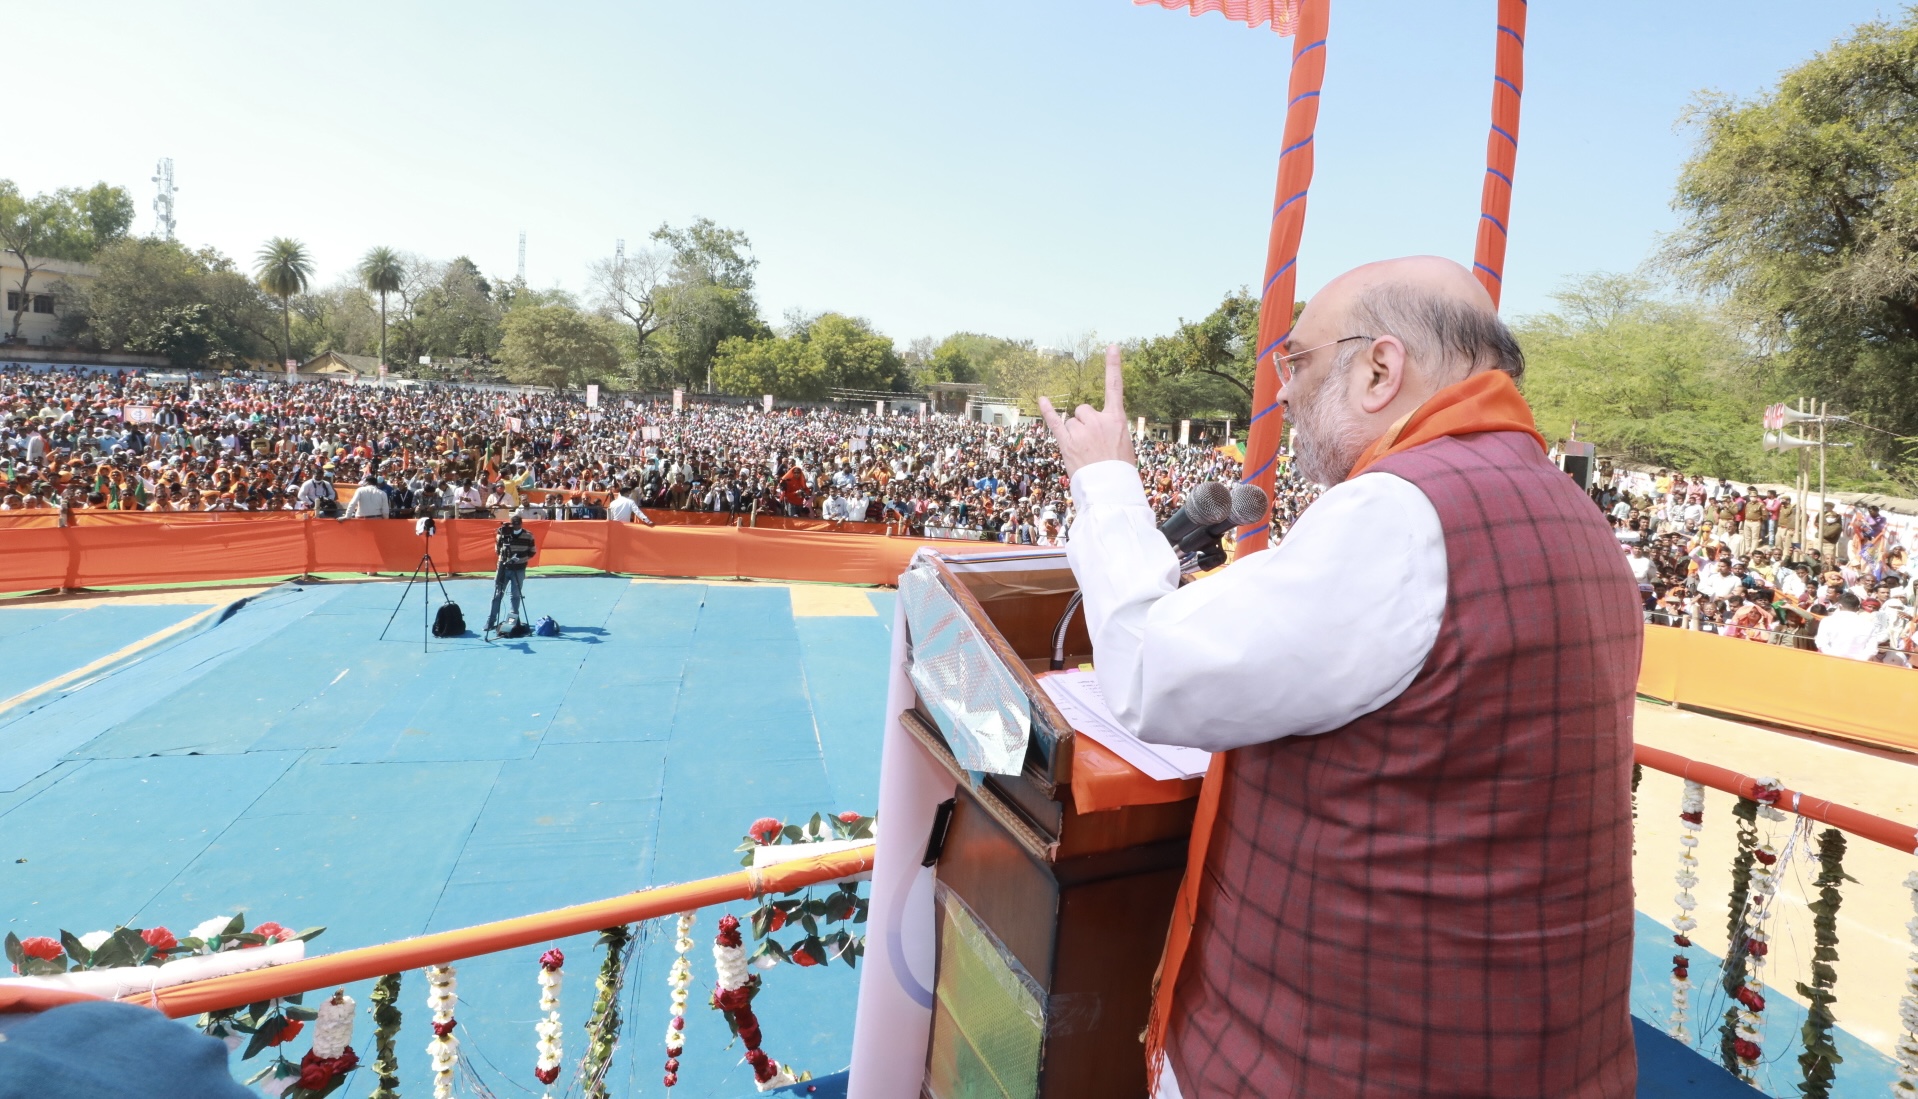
(336, 366)
(39, 305)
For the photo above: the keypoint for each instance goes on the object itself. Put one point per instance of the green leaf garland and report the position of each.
(1820, 1058)
(386, 1023)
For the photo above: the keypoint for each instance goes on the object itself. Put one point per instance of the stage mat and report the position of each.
(288, 762)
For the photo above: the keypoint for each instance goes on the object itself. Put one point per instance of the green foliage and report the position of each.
(69, 224)
(283, 269)
(157, 296)
(557, 345)
(708, 293)
(386, 1022)
(1800, 206)
(382, 271)
(1662, 382)
(820, 944)
(603, 1023)
(1745, 812)
(830, 352)
(1820, 1057)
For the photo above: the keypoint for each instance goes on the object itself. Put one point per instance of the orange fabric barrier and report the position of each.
(348, 966)
(1783, 686)
(156, 549)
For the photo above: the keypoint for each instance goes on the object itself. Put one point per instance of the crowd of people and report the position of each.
(1734, 560)
(1708, 555)
(76, 440)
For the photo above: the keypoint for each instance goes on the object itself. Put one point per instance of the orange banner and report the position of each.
(1781, 686)
(189, 549)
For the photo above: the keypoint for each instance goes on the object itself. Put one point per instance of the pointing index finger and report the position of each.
(1115, 382)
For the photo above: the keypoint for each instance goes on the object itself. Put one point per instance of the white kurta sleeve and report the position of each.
(1329, 625)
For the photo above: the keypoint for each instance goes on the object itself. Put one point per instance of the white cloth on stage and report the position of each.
(1331, 624)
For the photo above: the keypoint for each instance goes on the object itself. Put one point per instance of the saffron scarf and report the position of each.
(1485, 401)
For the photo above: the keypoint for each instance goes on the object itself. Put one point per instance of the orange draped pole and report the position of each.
(240, 989)
(1501, 148)
(1281, 256)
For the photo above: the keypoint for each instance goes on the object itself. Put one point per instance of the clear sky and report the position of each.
(1037, 170)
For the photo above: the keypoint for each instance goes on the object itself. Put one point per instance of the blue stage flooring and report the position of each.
(287, 762)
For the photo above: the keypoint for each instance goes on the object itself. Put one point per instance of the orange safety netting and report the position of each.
(195, 547)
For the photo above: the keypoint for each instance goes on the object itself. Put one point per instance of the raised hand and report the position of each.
(1090, 435)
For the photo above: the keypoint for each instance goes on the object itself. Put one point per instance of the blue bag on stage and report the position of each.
(547, 627)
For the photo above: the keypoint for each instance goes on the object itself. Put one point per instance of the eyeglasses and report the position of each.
(1284, 363)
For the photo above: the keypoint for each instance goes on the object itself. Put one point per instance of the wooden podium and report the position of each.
(1055, 885)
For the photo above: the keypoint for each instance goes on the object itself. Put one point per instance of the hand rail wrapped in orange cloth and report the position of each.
(240, 989)
(1891, 833)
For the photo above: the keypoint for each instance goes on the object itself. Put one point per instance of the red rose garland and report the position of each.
(734, 994)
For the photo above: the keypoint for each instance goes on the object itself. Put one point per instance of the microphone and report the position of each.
(1207, 505)
(1250, 505)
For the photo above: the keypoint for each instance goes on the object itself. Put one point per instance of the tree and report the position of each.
(1800, 207)
(823, 353)
(155, 295)
(457, 312)
(709, 294)
(557, 345)
(1668, 383)
(283, 269)
(69, 224)
(635, 289)
(382, 272)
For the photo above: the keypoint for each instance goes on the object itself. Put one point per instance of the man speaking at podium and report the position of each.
(1411, 867)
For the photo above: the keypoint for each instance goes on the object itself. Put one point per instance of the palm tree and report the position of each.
(381, 273)
(284, 268)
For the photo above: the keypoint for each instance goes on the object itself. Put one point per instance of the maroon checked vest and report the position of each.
(1436, 899)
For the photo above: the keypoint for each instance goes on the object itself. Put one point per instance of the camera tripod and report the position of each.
(516, 611)
(424, 574)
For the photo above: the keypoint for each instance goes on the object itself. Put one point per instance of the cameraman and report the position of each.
(514, 545)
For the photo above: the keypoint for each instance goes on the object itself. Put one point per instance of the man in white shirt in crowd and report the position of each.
(369, 501)
(1641, 565)
(1848, 631)
(1721, 581)
(623, 509)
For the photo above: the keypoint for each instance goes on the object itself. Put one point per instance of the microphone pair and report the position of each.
(1211, 509)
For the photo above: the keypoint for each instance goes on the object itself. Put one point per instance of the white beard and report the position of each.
(1328, 439)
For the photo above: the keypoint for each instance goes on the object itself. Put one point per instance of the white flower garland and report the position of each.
(679, 979)
(442, 994)
(333, 1027)
(1691, 813)
(1907, 1085)
(546, 1070)
(1768, 865)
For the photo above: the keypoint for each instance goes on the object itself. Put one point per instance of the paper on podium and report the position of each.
(1077, 695)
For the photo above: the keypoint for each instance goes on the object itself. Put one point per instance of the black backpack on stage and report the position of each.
(449, 622)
